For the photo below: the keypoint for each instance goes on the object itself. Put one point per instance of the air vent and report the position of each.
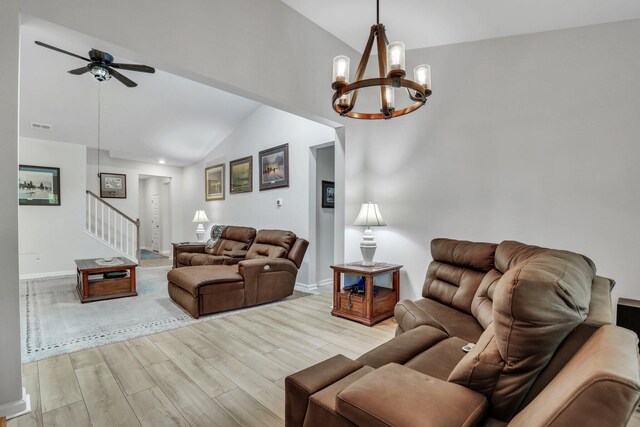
(41, 126)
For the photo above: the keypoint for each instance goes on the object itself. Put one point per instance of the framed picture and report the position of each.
(328, 194)
(113, 186)
(214, 183)
(241, 175)
(38, 186)
(274, 167)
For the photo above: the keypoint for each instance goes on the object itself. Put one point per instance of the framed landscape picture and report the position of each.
(38, 186)
(274, 167)
(113, 186)
(214, 183)
(241, 175)
(328, 194)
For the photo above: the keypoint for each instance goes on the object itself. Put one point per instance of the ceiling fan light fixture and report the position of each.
(392, 75)
(100, 73)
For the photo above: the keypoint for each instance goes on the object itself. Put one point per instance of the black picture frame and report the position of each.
(328, 194)
(274, 167)
(241, 175)
(113, 185)
(38, 185)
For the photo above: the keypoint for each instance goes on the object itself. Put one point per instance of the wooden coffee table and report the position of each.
(92, 285)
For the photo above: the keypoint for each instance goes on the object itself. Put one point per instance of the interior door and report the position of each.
(155, 222)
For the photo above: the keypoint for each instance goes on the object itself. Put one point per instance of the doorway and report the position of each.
(323, 207)
(155, 220)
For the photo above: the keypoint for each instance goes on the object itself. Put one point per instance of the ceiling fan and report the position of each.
(101, 65)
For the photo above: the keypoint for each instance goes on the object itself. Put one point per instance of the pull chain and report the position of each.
(377, 11)
(99, 91)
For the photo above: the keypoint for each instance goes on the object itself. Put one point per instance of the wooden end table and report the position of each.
(366, 308)
(92, 286)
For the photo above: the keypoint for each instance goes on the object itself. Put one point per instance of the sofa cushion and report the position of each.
(522, 335)
(206, 259)
(454, 323)
(185, 258)
(440, 359)
(456, 271)
(404, 347)
(226, 246)
(245, 235)
(192, 278)
(271, 244)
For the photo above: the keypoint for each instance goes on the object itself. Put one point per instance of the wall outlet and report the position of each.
(278, 202)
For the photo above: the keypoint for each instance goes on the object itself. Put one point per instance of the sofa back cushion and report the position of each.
(456, 271)
(271, 244)
(234, 239)
(541, 297)
(482, 304)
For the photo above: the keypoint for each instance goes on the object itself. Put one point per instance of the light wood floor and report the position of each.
(223, 372)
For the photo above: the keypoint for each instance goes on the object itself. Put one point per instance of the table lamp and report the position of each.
(369, 216)
(200, 217)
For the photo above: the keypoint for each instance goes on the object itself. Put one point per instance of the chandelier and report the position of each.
(391, 76)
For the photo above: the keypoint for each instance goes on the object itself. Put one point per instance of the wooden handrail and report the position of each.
(136, 222)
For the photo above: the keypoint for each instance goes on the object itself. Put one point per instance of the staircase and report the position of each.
(112, 227)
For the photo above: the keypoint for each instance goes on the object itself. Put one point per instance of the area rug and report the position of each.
(54, 322)
(147, 254)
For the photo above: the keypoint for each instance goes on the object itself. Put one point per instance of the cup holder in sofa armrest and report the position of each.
(396, 395)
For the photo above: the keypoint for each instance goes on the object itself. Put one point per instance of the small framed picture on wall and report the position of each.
(113, 186)
(328, 194)
(214, 183)
(38, 186)
(274, 167)
(241, 175)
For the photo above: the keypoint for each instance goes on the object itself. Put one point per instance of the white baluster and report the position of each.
(95, 216)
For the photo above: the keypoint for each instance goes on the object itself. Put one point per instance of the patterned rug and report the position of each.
(54, 322)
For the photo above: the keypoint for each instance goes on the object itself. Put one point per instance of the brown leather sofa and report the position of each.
(545, 352)
(230, 249)
(268, 273)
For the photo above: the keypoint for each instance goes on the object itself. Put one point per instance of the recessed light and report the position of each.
(162, 162)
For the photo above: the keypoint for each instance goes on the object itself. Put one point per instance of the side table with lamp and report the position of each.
(371, 289)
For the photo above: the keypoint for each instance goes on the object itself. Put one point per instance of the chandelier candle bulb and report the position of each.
(395, 56)
(391, 97)
(422, 76)
(341, 68)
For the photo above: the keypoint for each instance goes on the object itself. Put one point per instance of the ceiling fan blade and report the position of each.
(61, 51)
(79, 71)
(134, 67)
(124, 80)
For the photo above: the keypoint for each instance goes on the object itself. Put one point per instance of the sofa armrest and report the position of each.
(395, 395)
(261, 272)
(194, 248)
(409, 316)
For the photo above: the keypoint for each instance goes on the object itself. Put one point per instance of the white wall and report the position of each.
(265, 128)
(325, 217)
(533, 138)
(10, 376)
(52, 237)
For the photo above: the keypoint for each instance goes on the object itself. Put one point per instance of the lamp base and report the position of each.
(368, 248)
(200, 232)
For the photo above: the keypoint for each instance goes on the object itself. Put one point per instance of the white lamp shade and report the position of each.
(200, 216)
(369, 216)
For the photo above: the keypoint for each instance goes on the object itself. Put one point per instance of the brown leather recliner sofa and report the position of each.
(230, 249)
(268, 273)
(545, 352)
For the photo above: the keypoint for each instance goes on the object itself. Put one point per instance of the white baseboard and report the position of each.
(17, 408)
(325, 282)
(46, 275)
(303, 287)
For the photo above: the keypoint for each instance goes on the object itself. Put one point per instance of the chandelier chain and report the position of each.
(99, 114)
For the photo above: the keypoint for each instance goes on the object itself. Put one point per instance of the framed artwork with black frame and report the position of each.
(113, 186)
(214, 183)
(328, 194)
(38, 186)
(241, 175)
(274, 167)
